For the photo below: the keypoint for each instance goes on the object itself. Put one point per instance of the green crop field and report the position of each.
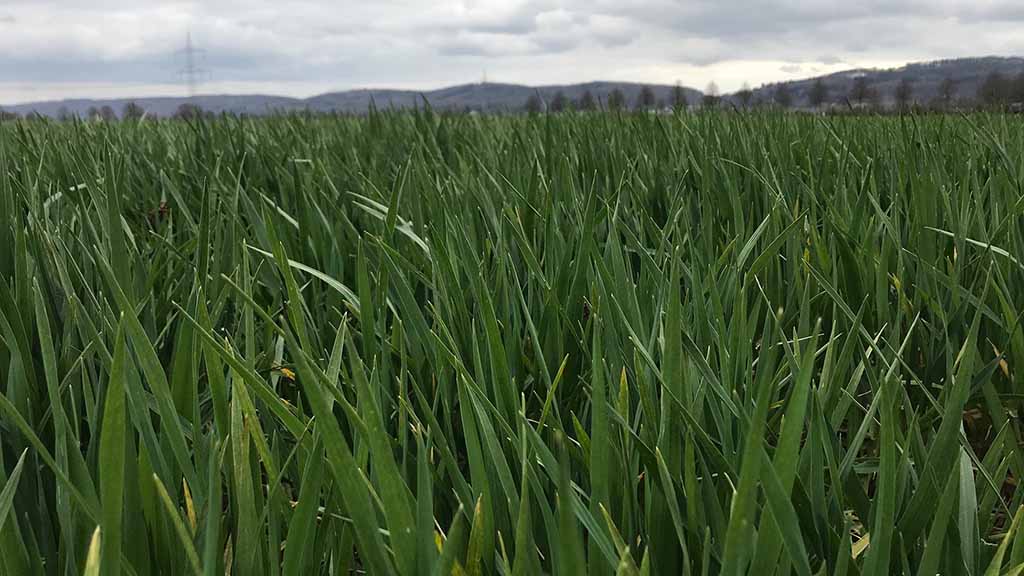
(410, 343)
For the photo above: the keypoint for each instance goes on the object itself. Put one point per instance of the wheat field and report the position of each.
(415, 343)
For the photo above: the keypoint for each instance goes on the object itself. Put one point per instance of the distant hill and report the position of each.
(968, 74)
(488, 97)
(485, 97)
(162, 106)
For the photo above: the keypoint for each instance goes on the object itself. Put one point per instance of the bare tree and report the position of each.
(994, 91)
(1017, 88)
(534, 105)
(947, 91)
(782, 95)
(132, 111)
(108, 114)
(645, 99)
(616, 100)
(904, 93)
(818, 94)
(559, 102)
(862, 92)
(679, 97)
(745, 95)
(189, 111)
(711, 97)
(587, 101)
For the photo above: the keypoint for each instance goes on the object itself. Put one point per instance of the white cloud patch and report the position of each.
(64, 46)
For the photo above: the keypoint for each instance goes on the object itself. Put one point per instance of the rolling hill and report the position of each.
(967, 75)
(489, 97)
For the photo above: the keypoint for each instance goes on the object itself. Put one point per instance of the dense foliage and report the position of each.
(573, 344)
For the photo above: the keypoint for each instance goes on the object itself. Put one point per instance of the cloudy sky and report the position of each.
(96, 48)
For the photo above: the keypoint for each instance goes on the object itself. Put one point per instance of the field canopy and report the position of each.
(411, 343)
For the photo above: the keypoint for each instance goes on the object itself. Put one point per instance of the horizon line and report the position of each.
(355, 89)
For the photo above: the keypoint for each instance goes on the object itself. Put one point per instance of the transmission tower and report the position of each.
(191, 72)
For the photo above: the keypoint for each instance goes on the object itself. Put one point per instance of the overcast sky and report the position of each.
(98, 48)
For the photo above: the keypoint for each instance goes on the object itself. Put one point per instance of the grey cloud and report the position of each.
(520, 19)
(1005, 11)
(708, 18)
(403, 42)
(522, 24)
(464, 47)
(556, 44)
(504, 45)
(612, 40)
(610, 31)
(785, 29)
(158, 69)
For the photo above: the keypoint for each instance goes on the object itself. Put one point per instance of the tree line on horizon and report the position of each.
(997, 92)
